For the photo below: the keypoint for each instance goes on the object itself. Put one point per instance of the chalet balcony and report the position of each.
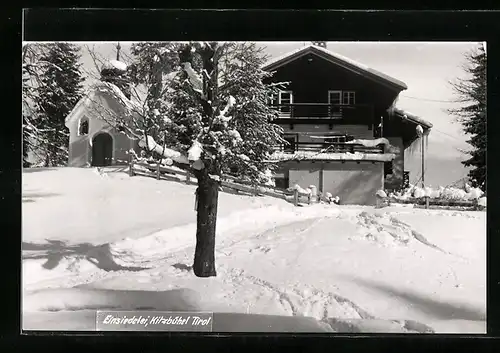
(296, 113)
(328, 147)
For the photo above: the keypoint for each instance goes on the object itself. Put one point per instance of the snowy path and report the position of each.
(404, 267)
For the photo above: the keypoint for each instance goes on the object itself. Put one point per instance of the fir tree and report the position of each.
(30, 82)
(471, 91)
(59, 91)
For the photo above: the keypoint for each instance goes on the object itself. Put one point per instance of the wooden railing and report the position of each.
(338, 147)
(359, 113)
(161, 172)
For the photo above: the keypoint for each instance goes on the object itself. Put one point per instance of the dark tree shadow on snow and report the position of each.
(436, 308)
(39, 169)
(55, 250)
(33, 196)
(86, 297)
(182, 267)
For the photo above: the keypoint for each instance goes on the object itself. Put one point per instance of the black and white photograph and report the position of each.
(286, 186)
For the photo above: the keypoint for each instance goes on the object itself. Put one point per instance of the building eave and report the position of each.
(78, 107)
(405, 115)
(413, 121)
(339, 60)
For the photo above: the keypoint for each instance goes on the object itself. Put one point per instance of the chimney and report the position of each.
(320, 44)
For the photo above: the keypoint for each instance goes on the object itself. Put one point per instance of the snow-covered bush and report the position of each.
(444, 193)
(328, 197)
(300, 190)
(267, 178)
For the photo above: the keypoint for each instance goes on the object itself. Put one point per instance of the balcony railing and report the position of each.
(354, 113)
(336, 147)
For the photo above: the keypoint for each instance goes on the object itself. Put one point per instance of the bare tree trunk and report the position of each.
(48, 155)
(207, 195)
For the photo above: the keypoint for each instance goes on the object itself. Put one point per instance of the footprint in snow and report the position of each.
(262, 248)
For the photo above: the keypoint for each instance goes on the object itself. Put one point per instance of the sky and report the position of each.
(426, 67)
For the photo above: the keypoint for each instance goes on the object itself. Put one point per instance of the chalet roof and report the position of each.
(336, 59)
(405, 115)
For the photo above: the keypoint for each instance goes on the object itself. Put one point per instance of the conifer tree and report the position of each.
(471, 92)
(59, 90)
(31, 67)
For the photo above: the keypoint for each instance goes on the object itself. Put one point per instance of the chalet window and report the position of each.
(337, 98)
(334, 98)
(289, 145)
(285, 99)
(83, 126)
(388, 168)
(348, 97)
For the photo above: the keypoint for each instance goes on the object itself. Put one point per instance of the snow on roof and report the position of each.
(129, 104)
(103, 87)
(115, 64)
(412, 117)
(308, 156)
(81, 102)
(336, 58)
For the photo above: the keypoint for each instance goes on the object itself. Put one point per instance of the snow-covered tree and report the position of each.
(59, 90)
(31, 71)
(149, 70)
(219, 120)
(471, 92)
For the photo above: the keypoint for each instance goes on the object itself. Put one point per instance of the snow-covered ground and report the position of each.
(110, 241)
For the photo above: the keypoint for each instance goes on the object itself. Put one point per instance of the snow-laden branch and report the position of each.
(168, 153)
(194, 155)
(195, 79)
(234, 135)
(222, 116)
